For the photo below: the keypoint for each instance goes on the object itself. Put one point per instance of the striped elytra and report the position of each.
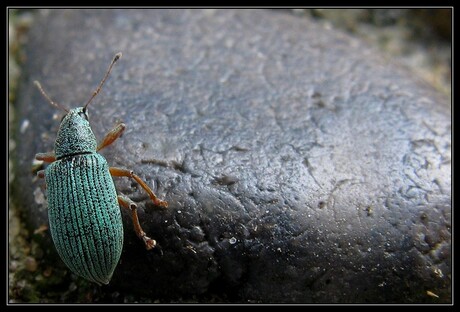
(84, 215)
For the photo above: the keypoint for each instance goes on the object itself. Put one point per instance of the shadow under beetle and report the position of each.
(83, 205)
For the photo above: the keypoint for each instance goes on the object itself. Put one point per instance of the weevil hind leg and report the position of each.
(120, 172)
(127, 203)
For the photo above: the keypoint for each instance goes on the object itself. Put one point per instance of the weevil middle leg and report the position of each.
(121, 172)
(109, 138)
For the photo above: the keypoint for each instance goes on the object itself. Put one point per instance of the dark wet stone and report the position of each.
(300, 165)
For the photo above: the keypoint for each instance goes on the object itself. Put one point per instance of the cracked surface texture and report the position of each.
(299, 164)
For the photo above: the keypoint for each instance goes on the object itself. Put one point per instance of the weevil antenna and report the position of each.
(39, 86)
(115, 59)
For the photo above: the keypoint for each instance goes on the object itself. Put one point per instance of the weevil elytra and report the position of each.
(83, 205)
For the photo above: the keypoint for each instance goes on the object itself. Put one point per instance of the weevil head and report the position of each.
(75, 135)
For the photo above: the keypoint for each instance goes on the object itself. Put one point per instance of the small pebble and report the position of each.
(31, 264)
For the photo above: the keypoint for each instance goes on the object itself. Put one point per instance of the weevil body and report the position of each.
(84, 216)
(83, 205)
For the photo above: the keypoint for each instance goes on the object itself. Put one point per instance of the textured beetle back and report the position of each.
(85, 219)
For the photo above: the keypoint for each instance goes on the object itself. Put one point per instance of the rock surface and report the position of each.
(300, 165)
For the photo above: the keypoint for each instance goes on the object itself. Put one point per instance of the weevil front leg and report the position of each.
(113, 134)
(127, 203)
(41, 174)
(120, 172)
(45, 157)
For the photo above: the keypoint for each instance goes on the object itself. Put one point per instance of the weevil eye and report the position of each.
(83, 114)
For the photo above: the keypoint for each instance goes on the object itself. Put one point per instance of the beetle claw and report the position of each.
(149, 243)
(161, 203)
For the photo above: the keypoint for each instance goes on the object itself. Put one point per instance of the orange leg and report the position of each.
(110, 137)
(120, 172)
(127, 203)
(41, 174)
(46, 157)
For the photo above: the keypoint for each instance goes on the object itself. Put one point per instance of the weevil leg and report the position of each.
(41, 174)
(46, 157)
(120, 172)
(113, 134)
(127, 203)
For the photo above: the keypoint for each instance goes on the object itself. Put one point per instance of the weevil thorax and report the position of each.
(75, 135)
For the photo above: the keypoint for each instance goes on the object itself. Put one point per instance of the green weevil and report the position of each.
(83, 205)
